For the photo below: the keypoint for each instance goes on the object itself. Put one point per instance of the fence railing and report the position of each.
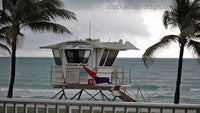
(67, 106)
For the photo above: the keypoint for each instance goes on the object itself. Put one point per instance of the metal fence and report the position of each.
(67, 106)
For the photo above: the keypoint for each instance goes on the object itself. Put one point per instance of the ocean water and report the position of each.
(33, 79)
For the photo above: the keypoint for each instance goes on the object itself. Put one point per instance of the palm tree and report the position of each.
(185, 15)
(37, 15)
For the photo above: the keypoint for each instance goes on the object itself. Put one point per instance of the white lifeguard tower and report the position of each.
(73, 59)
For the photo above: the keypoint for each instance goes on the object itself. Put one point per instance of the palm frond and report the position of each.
(182, 14)
(192, 16)
(23, 8)
(192, 31)
(56, 3)
(195, 46)
(51, 10)
(8, 5)
(3, 32)
(4, 35)
(37, 16)
(4, 18)
(4, 47)
(169, 19)
(48, 26)
(64, 14)
(194, 10)
(189, 31)
(148, 55)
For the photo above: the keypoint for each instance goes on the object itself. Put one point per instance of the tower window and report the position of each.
(77, 56)
(57, 58)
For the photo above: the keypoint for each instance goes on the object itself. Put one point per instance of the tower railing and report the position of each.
(118, 75)
(57, 75)
(122, 76)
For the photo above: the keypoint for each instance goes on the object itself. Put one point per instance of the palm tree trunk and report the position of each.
(13, 66)
(178, 82)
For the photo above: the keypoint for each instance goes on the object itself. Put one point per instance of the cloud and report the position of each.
(108, 24)
(82, 4)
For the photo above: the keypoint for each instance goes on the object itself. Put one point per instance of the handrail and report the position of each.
(66, 105)
(141, 92)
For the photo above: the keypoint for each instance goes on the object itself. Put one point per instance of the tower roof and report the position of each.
(90, 44)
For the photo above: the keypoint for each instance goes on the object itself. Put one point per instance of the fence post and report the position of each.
(80, 109)
(125, 109)
(57, 110)
(102, 109)
(198, 111)
(4, 108)
(149, 110)
(67, 109)
(46, 108)
(113, 109)
(161, 110)
(35, 108)
(15, 108)
(25, 108)
(137, 111)
(91, 110)
(173, 110)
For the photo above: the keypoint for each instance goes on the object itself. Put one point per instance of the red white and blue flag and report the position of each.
(98, 80)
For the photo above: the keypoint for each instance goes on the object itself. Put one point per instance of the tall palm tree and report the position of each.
(185, 15)
(37, 15)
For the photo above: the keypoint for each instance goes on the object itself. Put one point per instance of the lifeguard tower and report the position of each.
(87, 65)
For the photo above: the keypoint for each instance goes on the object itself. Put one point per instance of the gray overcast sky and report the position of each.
(137, 21)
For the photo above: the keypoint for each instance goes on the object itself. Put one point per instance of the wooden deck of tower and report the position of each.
(88, 65)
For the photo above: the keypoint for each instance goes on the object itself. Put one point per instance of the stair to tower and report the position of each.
(126, 97)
